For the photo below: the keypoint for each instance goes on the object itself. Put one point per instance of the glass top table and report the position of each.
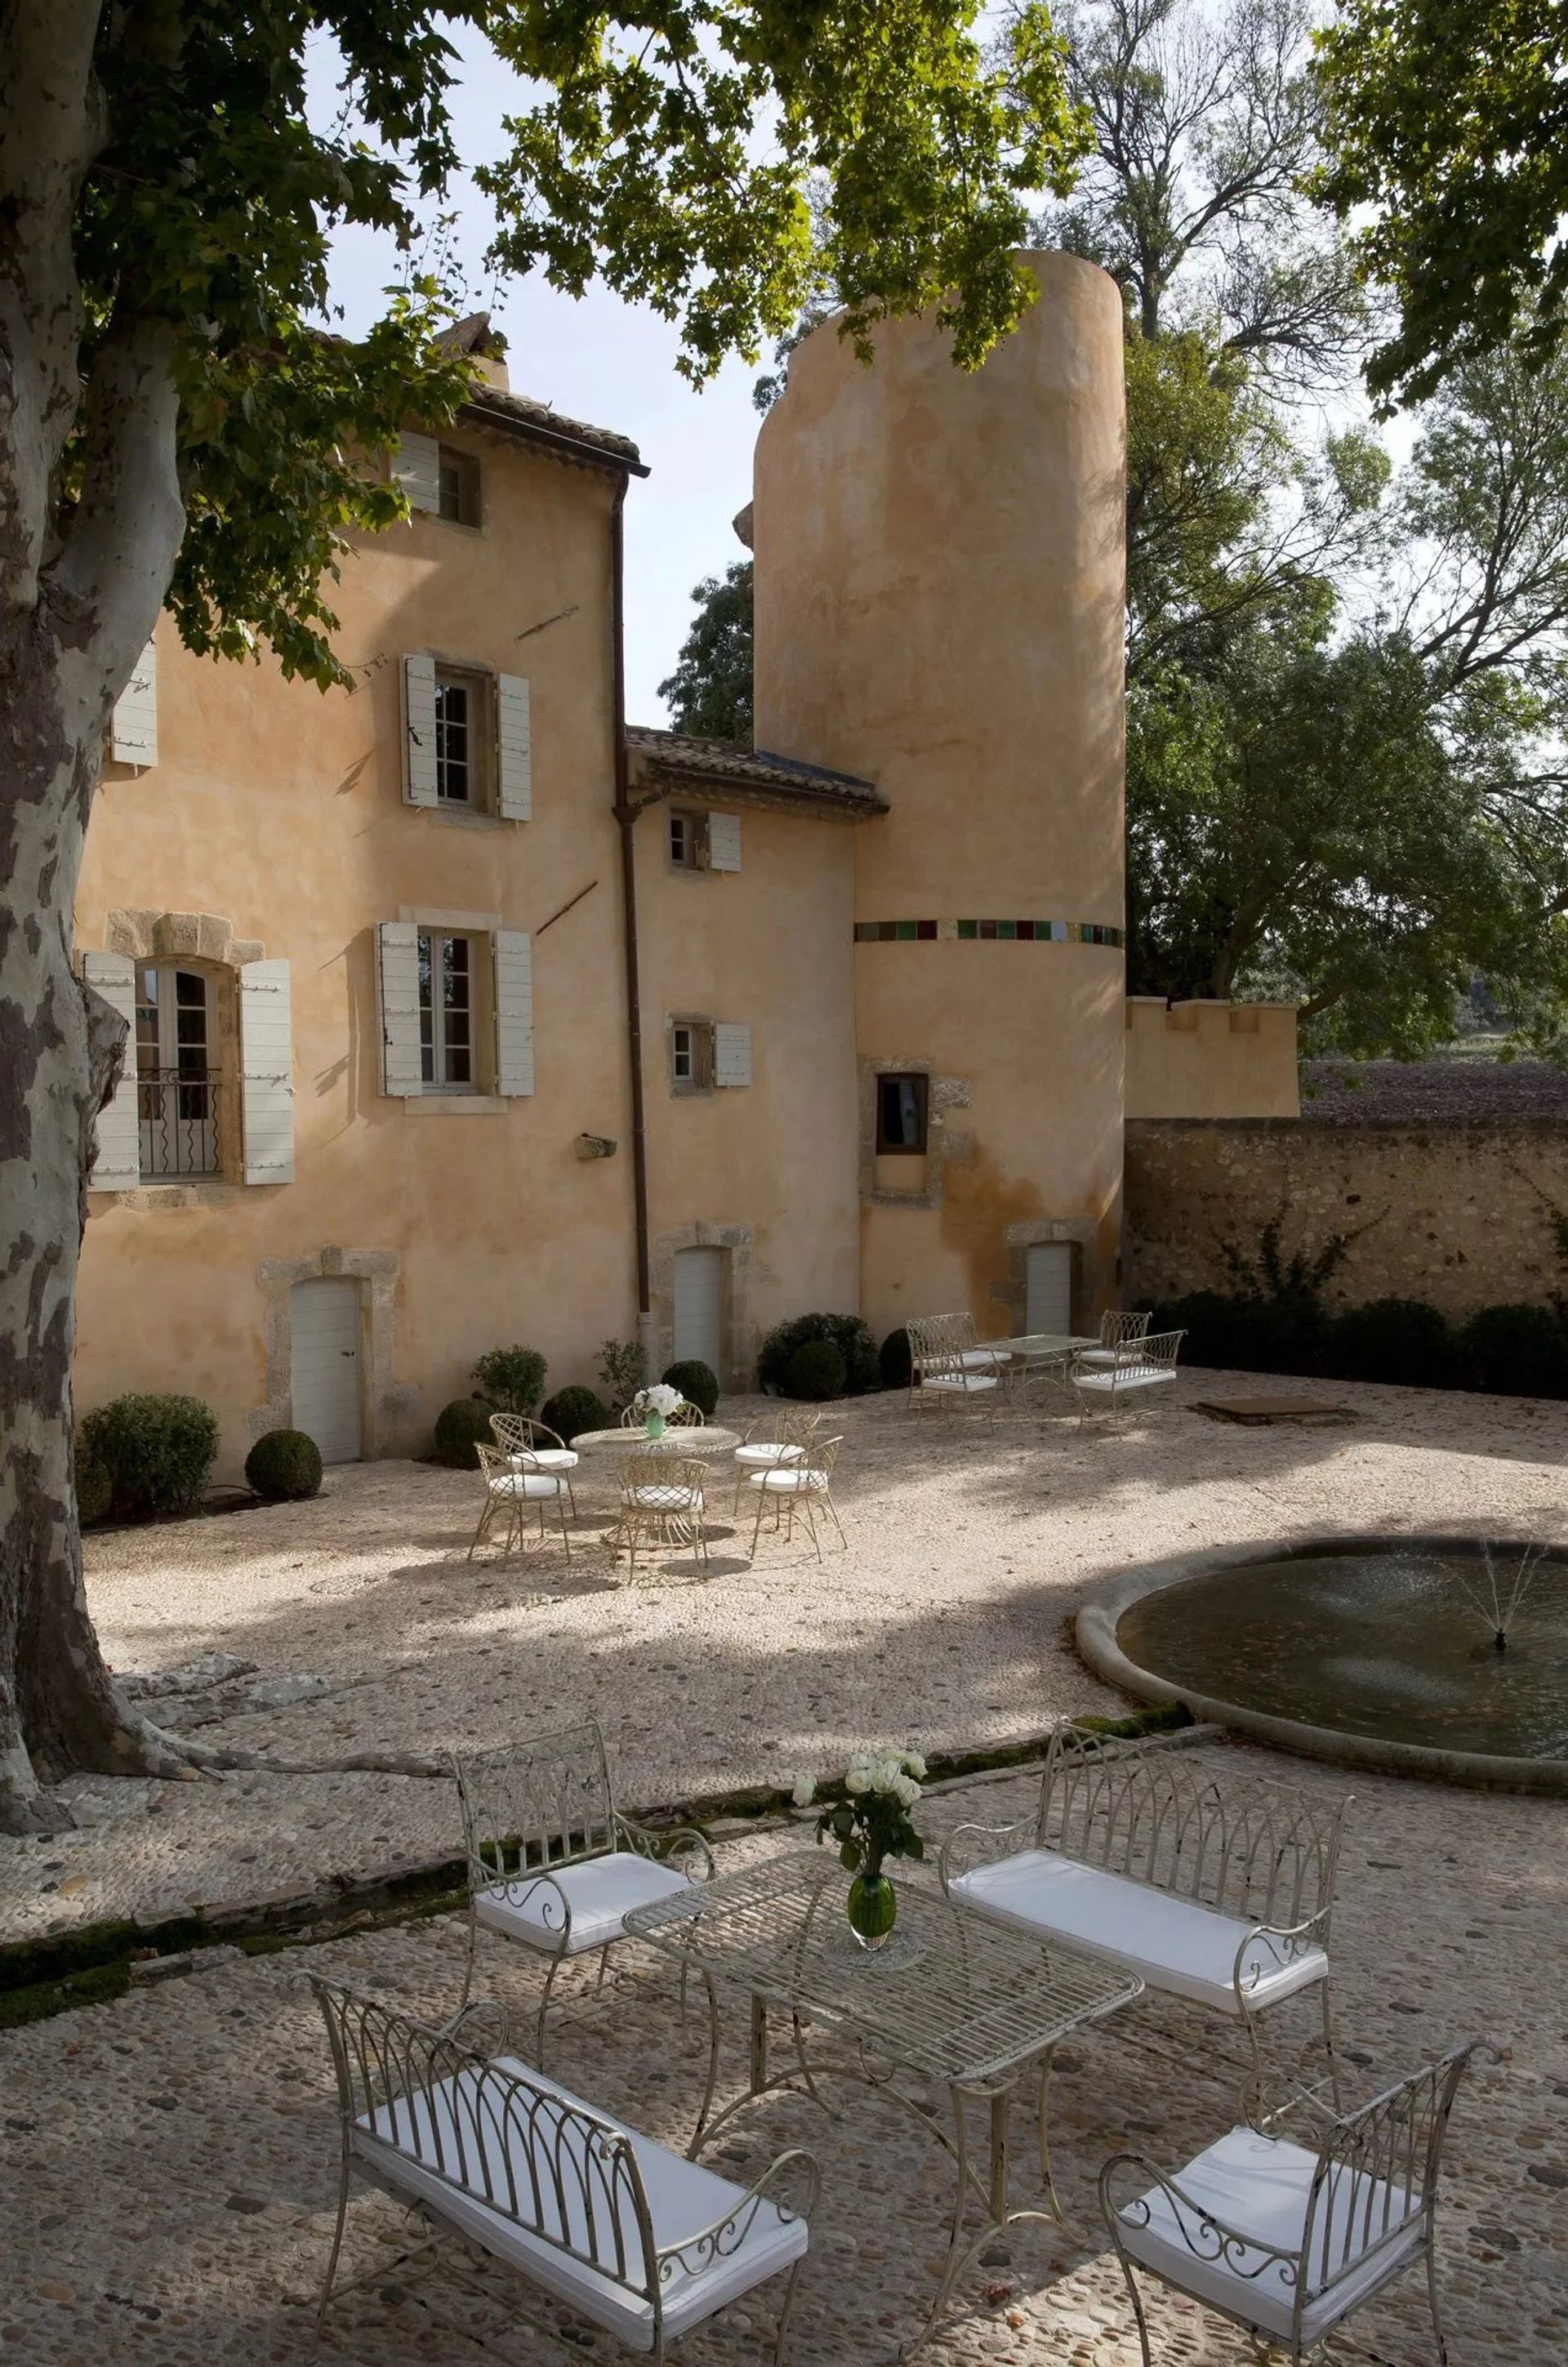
(954, 2000)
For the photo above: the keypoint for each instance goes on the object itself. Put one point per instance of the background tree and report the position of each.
(174, 429)
(1451, 123)
(710, 691)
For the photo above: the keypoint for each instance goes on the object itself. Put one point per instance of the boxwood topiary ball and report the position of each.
(94, 1490)
(285, 1464)
(459, 1427)
(816, 1370)
(574, 1409)
(698, 1382)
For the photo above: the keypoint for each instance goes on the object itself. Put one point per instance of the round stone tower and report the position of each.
(940, 589)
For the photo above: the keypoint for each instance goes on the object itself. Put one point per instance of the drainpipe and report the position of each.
(625, 814)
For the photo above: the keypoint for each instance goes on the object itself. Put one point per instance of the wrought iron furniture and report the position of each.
(953, 2004)
(1135, 1369)
(948, 1366)
(1046, 1355)
(1117, 1330)
(1219, 1893)
(663, 1502)
(805, 1488)
(511, 1490)
(1288, 2233)
(710, 1441)
(788, 1436)
(533, 1446)
(580, 2204)
(552, 1861)
(686, 1416)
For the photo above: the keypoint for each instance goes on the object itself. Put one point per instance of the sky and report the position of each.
(601, 360)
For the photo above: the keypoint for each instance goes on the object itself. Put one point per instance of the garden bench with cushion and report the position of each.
(1218, 1894)
(635, 2239)
(1114, 1376)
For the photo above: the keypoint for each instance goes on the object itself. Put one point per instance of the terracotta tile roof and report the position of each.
(754, 772)
(539, 424)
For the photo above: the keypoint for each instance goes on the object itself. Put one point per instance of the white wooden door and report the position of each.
(325, 1361)
(699, 1308)
(1049, 1297)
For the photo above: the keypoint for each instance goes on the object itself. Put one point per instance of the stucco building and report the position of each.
(464, 1014)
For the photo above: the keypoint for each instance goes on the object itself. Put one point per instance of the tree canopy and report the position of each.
(710, 691)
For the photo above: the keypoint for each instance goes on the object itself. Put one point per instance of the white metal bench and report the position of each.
(947, 1364)
(1221, 1895)
(1112, 1377)
(629, 2235)
(1287, 2230)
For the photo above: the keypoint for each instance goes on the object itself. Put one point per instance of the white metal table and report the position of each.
(707, 1441)
(1049, 1353)
(954, 2000)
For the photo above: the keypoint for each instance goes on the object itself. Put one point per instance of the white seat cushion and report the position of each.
(965, 1384)
(663, 1499)
(1097, 1356)
(1130, 1376)
(485, 2145)
(530, 1486)
(545, 1458)
(1173, 1944)
(1261, 2187)
(760, 1454)
(598, 1892)
(977, 1360)
(791, 1483)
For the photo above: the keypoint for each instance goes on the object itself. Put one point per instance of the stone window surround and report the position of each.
(1080, 1233)
(377, 1272)
(945, 1143)
(739, 1335)
(146, 935)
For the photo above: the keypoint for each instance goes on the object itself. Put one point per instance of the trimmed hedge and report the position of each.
(575, 1408)
(284, 1464)
(512, 1379)
(1398, 1339)
(853, 1339)
(895, 1361)
(817, 1371)
(459, 1427)
(157, 1450)
(698, 1382)
(1517, 1351)
(94, 1489)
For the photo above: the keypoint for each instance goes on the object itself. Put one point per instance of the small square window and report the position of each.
(689, 841)
(901, 1107)
(458, 475)
(690, 1056)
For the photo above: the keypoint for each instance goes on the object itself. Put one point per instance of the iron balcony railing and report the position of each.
(177, 1121)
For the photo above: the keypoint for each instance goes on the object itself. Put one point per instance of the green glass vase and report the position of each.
(872, 1910)
(653, 1425)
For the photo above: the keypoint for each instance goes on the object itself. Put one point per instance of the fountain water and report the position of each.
(1499, 1615)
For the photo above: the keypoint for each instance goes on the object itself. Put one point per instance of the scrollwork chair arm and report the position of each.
(1206, 2237)
(666, 1847)
(1285, 1942)
(969, 1846)
(484, 2026)
(795, 2170)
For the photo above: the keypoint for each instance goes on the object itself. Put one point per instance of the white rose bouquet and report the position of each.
(866, 1810)
(660, 1399)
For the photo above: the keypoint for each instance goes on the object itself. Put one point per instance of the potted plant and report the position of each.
(866, 1812)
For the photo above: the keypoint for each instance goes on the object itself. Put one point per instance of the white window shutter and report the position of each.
(515, 749)
(514, 1012)
(266, 1083)
(724, 842)
(117, 1167)
(397, 976)
(133, 733)
(732, 1053)
(416, 465)
(419, 729)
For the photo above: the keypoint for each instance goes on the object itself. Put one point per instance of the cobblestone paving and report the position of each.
(167, 2164)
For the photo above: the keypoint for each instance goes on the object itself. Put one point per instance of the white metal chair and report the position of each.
(511, 1490)
(535, 1446)
(1137, 1368)
(788, 1436)
(1287, 2236)
(663, 1502)
(804, 1487)
(1117, 1330)
(631, 2238)
(949, 1367)
(686, 1416)
(553, 1864)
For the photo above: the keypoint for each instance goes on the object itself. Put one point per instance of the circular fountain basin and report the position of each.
(1375, 1651)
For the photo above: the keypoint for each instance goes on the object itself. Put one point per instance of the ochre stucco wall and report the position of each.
(282, 811)
(1464, 1217)
(940, 606)
(1210, 1060)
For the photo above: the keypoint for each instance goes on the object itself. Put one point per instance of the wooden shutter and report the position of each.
(515, 769)
(732, 1053)
(133, 732)
(397, 974)
(514, 1012)
(117, 1167)
(266, 1085)
(724, 842)
(416, 465)
(419, 729)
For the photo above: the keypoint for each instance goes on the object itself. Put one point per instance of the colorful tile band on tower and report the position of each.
(1060, 933)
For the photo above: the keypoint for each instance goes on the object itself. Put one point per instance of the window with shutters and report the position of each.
(689, 841)
(902, 1114)
(177, 1077)
(691, 1055)
(457, 477)
(452, 1014)
(464, 735)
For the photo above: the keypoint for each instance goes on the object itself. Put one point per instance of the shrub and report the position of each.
(847, 1334)
(893, 1360)
(816, 1370)
(698, 1382)
(512, 1379)
(576, 1409)
(1247, 1334)
(459, 1427)
(284, 1463)
(156, 1450)
(94, 1489)
(623, 1369)
(1399, 1339)
(1519, 1351)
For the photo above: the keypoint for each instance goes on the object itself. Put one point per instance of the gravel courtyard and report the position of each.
(946, 1625)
